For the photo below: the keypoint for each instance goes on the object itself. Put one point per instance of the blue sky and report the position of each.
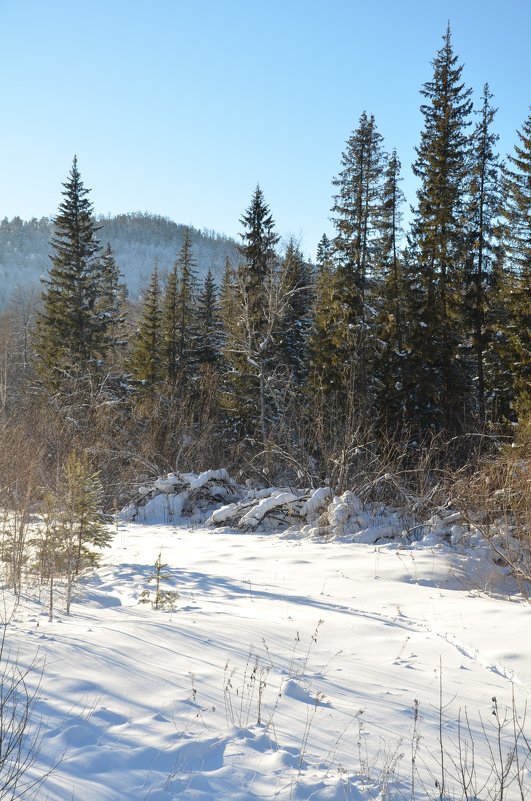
(181, 108)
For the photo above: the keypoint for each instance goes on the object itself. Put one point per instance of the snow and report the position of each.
(289, 667)
(316, 502)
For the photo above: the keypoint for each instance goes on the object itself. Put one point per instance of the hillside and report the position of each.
(138, 240)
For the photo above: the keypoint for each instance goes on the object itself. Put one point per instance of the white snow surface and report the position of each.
(287, 669)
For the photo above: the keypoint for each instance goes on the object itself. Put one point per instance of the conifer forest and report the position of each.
(397, 360)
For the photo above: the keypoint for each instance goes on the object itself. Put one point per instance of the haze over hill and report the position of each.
(139, 240)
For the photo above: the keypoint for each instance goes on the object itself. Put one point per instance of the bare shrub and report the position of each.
(20, 729)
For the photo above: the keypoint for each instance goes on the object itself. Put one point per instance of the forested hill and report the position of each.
(138, 241)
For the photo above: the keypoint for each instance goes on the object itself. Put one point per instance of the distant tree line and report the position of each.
(292, 369)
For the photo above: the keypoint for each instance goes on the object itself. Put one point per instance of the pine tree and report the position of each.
(145, 361)
(161, 597)
(437, 378)
(72, 335)
(81, 499)
(75, 526)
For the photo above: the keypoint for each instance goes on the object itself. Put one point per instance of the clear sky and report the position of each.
(181, 108)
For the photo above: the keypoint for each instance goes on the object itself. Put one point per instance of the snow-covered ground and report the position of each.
(288, 668)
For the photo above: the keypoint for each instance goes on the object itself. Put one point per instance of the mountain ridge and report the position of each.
(139, 241)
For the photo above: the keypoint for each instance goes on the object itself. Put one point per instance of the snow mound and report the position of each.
(312, 514)
(180, 496)
(272, 509)
(348, 517)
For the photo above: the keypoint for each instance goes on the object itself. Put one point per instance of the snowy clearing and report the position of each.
(287, 668)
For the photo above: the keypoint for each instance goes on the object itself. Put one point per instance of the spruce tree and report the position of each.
(506, 355)
(227, 297)
(178, 322)
(297, 291)
(482, 240)
(388, 298)
(514, 338)
(209, 334)
(437, 377)
(110, 306)
(325, 254)
(250, 344)
(170, 327)
(145, 360)
(258, 262)
(357, 204)
(72, 336)
(186, 307)
(518, 203)
(334, 342)
(339, 342)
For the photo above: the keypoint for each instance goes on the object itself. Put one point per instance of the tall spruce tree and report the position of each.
(297, 290)
(483, 241)
(325, 254)
(227, 297)
(334, 338)
(73, 329)
(388, 298)
(250, 342)
(186, 307)
(437, 377)
(146, 359)
(339, 342)
(514, 336)
(258, 262)
(209, 334)
(110, 306)
(357, 203)
(170, 326)
(178, 320)
(518, 198)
